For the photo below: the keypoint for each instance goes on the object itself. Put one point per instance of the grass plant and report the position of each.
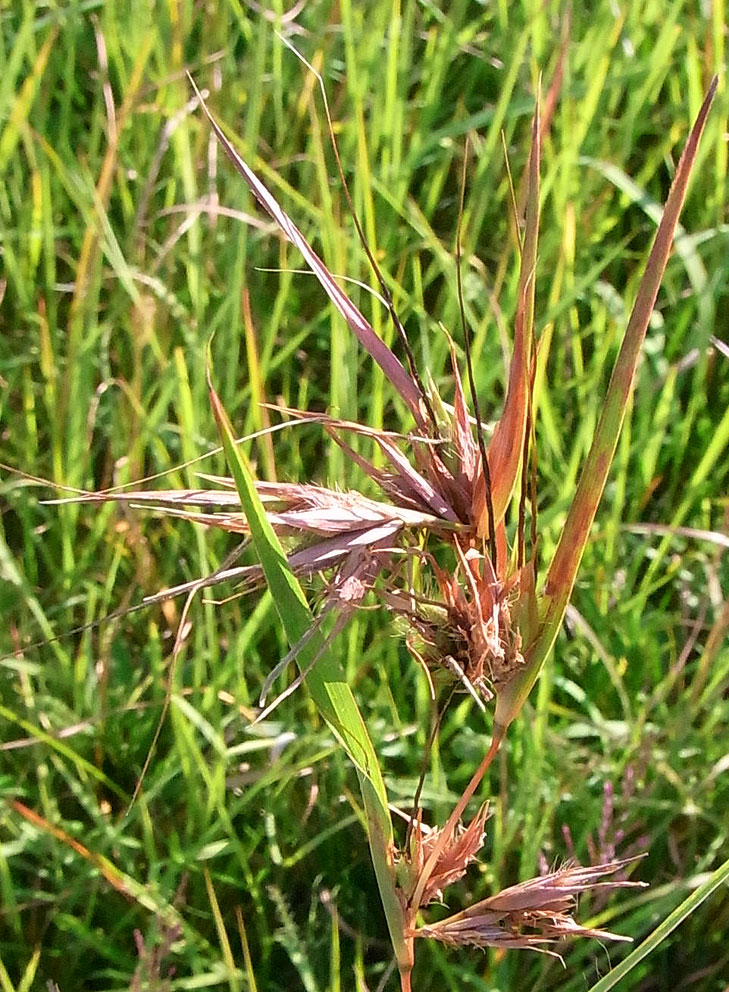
(127, 242)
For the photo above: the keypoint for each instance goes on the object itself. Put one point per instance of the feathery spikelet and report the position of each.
(453, 860)
(532, 913)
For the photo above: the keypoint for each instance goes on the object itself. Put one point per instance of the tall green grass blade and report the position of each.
(6, 984)
(18, 117)
(325, 681)
(227, 954)
(675, 919)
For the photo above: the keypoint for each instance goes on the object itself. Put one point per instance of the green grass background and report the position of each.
(113, 281)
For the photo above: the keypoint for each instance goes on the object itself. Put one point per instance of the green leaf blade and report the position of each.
(672, 921)
(324, 679)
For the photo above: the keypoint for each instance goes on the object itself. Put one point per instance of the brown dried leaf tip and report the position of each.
(452, 861)
(531, 913)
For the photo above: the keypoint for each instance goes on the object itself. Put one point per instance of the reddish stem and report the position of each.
(453, 819)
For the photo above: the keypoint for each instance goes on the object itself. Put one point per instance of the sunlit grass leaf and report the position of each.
(568, 555)
(675, 919)
(324, 679)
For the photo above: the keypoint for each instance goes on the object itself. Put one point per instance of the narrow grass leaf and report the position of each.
(506, 446)
(675, 919)
(6, 984)
(18, 117)
(118, 879)
(326, 681)
(375, 346)
(567, 557)
(247, 960)
(26, 982)
(233, 973)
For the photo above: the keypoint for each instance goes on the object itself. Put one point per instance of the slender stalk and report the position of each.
(453, 819)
